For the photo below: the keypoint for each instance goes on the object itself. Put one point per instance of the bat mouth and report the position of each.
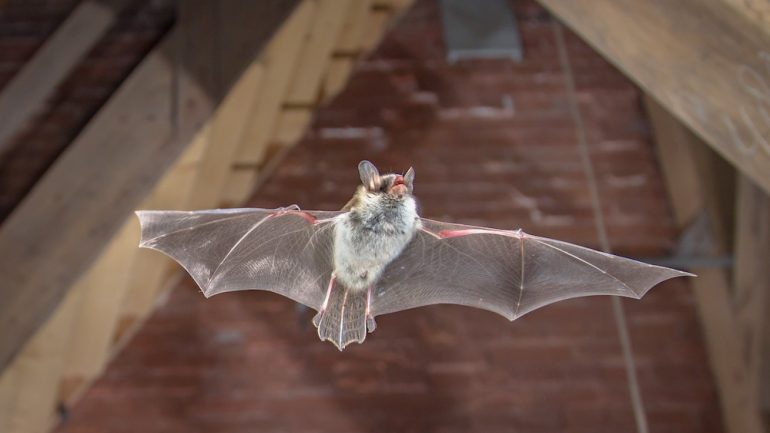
(398, 188)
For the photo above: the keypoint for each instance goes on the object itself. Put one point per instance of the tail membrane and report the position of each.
(343, 321)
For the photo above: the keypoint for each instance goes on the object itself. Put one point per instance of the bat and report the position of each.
(377, 256)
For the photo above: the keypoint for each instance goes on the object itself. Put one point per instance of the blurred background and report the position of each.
(643, 123)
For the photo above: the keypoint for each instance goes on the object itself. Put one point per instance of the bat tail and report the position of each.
(343, 321)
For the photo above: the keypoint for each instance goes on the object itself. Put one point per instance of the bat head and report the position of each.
(394, 186)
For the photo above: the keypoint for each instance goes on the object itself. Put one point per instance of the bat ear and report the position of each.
(370, 177)
(409, 179)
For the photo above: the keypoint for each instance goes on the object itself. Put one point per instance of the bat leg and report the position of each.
(322, 310)
(371, 325)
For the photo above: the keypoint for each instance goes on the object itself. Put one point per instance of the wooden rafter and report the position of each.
(26, 94)
(706, 61)
(86, 195)
(731, 311)
(281, 120)
(212, 124)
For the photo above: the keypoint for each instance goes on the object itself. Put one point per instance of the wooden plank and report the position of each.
(25, 95)
(38, 371)
(280, 60)
(678, 165)
(239, 186)
(224, 135)
(316, 53)
(337, 76)
(74, 209)
(291, 125)
(712, 286)
(198, 20)
(8, 387)
(361, 30)
(757, 11)
(705, 61)
(350, 39)
(181, 187)
(377, 23)
(103, 287)
(110, 167)
(751, 282)
(724, 346)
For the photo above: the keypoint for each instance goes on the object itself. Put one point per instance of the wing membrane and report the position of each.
(508, 272)
(286, 252)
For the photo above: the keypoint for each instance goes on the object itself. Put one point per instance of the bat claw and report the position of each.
(371, 325)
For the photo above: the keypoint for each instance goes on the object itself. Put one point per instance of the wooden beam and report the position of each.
(209, 154)
(751, 282)
(38, 371)
(337, 76)
(25, 95)
(360, 27)
(706, 61)
(678, 167)
(349, 47)
(291, 125)
(197, 21)
(685, 176)
(376, 24)
(690, 165)
(66, 220)
(280, 60)
(315, 55)
(102, 288)
(224, 135)
(351, 36)
(111, 166)
(8, 387)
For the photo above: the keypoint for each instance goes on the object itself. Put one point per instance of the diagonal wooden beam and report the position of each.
(705, 61)
(102, 289)
(37, 370)
(81, 202)
(25, 95)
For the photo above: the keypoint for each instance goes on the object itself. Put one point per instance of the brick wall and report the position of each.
(492, 143)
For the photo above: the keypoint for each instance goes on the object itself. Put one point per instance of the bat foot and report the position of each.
(371, 325)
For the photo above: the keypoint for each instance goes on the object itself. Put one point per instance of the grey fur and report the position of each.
(373, 233)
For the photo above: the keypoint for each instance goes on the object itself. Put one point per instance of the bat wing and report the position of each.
(508, 272)
(286, 251)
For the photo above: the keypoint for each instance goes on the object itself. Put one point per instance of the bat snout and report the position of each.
(398, 190)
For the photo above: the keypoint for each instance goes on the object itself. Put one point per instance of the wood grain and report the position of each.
(84, 198)
(706, 61)
(695, 188)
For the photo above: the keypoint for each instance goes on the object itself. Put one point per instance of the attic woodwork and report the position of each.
(705, 61)
(185, 106)
(732, 310)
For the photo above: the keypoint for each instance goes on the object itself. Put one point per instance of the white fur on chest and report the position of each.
(365, 243)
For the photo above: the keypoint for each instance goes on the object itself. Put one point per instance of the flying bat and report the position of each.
(377, 256)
